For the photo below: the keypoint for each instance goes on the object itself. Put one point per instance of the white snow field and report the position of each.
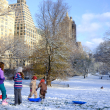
(60, 98)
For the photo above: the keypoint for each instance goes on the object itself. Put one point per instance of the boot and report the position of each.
(4, 102)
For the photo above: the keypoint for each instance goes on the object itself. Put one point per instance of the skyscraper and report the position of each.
(24, 25)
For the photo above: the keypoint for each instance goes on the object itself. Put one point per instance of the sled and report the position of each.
(34, 99)
(1, 96)
(78, 102)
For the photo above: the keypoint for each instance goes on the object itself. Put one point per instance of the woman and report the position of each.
(2, 87)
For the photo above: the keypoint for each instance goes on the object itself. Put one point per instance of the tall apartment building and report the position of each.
(24, 25)
(68, 30)
(7, 20)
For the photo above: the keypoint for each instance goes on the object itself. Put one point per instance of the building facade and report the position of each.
(68, 30)
(24, 25)
(7, 21)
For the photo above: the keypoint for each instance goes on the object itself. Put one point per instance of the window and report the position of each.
(18, 4)
(1, 29)
(17, 33)
(17, 25)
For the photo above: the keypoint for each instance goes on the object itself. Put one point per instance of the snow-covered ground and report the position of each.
(60, 98)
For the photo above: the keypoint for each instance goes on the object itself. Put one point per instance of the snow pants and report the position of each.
(42, 94)
(32, 92)
(3, 90)
(18, 98)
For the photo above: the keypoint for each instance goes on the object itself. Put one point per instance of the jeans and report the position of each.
(3, 90)
(18, 98)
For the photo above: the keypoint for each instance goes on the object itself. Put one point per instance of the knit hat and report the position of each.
(42, 80)
(19, 69)
(34, 77)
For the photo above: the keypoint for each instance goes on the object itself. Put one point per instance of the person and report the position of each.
(43, 89)
(18, 85)
(33, 87)
(2, 87)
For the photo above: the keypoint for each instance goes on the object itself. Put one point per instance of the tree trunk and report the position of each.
(84, 76)
(48, 80)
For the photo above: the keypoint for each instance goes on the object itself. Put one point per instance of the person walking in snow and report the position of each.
(33, 87)
(43, 89)
(18, 85)
(2, 87)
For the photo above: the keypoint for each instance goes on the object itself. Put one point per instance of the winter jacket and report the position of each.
(2, 78)
(43, 86)
(33, 85)
(18, 81)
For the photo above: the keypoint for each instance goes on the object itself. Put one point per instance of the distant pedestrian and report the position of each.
(43, 89)
(2, 87)
(102, 87)
(18, 85)
(33, 87)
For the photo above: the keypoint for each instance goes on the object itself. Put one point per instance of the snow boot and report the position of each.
(4, 102)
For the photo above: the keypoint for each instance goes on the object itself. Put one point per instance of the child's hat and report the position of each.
(19, 69)
(34, 77)
(42, 80)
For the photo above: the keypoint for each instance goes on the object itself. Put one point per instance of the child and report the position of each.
(33, 88)
(43, 89)
(2, 87)
(18, 85)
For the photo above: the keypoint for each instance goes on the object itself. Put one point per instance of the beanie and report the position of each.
(19, 69)
(42, 80)
(34, 77)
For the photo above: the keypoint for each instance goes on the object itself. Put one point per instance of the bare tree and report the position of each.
(54, 55)
(18, 48)
(81, 63)
(103, 52)
(4, 8)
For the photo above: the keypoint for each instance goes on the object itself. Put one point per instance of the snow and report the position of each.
(60, 98)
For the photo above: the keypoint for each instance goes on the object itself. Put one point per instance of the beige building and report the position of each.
(68, 30)
(24, 25)
(7, 20)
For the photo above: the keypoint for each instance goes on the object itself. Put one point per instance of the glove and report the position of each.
(36, 89)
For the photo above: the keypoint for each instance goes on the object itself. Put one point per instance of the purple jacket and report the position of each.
(2, 78)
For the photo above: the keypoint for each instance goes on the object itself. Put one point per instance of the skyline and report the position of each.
(92, 19)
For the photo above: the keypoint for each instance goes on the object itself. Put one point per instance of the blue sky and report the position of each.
(92, 18)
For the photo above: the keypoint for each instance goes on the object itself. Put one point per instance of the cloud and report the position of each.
(90, 27)
(93, 22)
(93, 43)
(107, 24)
(105, 15)
(97, 40)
